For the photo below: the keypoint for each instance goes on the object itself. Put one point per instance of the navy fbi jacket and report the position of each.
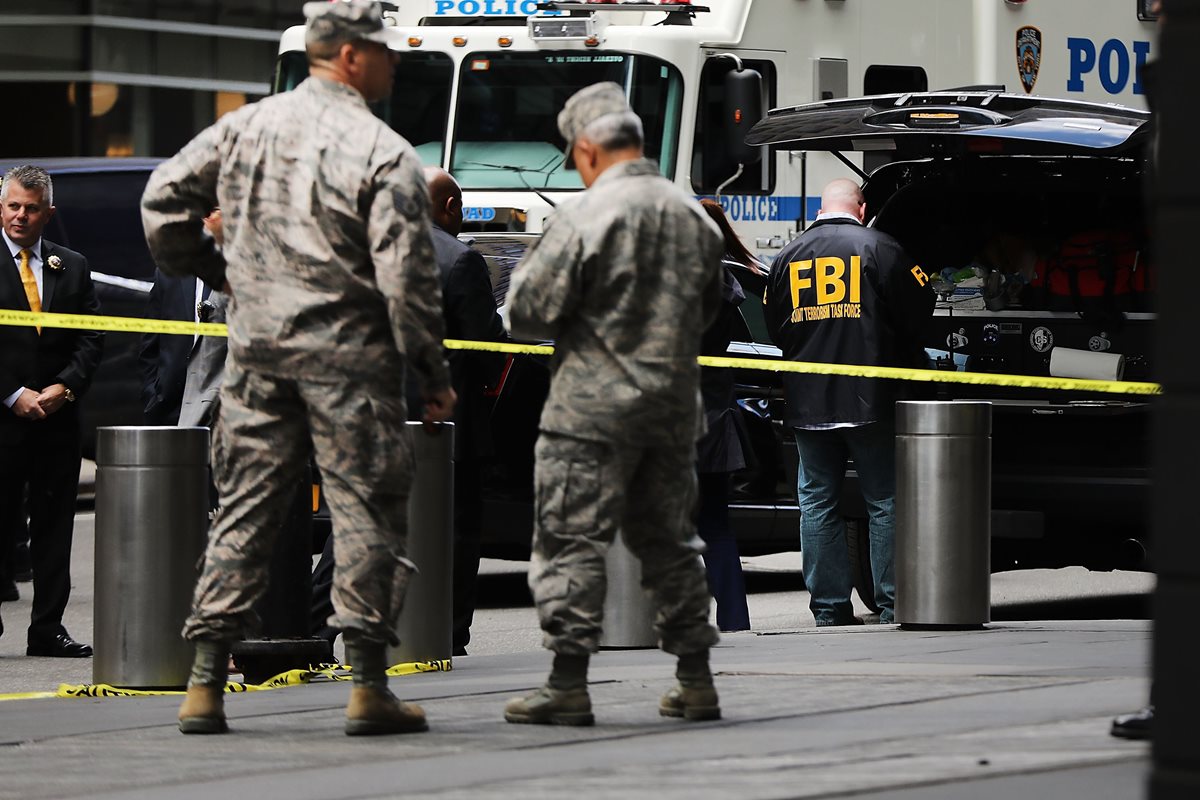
(842, 293)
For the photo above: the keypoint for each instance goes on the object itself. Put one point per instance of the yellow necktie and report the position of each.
(30, 283)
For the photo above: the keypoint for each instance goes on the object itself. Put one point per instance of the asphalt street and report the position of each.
(1020, 708)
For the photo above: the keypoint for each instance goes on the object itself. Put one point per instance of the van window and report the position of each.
(99, 214)
(711, 165)
(506, 133)
(880, 79)
(419, 108)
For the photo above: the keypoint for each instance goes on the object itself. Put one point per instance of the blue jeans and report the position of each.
(823, 458)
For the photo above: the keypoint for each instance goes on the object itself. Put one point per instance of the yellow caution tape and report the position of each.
(132, 325)
(937, 375)
(95, 322)
(295, 677)
(861, 371)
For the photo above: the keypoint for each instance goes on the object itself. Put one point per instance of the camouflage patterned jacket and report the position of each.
(625, 279)
(327, 244)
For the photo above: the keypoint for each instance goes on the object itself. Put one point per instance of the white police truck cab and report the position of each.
(480, 83)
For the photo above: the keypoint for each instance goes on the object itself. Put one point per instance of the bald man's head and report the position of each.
(446, 196)
(845, 196)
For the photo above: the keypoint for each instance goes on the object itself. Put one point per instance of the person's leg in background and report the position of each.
(722, 561)
(468, 528)
(322, 606)
(819, 478)
(873, 448)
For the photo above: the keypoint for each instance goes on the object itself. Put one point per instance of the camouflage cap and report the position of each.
(585, 107)
(341, 21)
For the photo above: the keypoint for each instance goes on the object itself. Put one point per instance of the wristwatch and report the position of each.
(67, 393)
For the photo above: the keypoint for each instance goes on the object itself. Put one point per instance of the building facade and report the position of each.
(130, 77)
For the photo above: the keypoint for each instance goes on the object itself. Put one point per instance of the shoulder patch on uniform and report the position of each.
(406, 204)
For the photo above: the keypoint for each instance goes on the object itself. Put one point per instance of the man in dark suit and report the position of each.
(470, 312)
(164, 358)
(43, 371)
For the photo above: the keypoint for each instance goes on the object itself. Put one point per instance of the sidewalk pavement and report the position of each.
(1018, 709)
(1015, 710)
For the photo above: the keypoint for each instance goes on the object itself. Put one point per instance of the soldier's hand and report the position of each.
(27, 407)
(439, 406)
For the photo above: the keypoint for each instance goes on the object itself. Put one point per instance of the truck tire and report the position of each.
(858, 549)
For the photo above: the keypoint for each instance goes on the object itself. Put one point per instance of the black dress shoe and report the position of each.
(61, 646)
(1137, 725)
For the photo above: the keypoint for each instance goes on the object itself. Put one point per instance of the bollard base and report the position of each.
(929, 626)
(629, 647)
(262, 659)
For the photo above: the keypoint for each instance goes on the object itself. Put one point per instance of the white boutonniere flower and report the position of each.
(54, 262)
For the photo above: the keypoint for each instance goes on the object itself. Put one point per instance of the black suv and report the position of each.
(98, 202)
(1028, 213)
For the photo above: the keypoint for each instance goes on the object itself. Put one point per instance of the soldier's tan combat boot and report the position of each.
(694, 703)
(203, 710)
(373, 710)
(549, 706)
(562, 701)
(377, 712)
(694, 697)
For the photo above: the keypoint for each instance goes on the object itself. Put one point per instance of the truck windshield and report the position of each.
(506, 131)
(419, 107)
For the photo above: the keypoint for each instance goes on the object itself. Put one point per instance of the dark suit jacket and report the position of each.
(58, 355)
(470, 312)
(163, 358)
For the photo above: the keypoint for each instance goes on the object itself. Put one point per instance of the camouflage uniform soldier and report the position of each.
(625, 278)
(328, 256)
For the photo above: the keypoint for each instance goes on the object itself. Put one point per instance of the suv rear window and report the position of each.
(99, 214)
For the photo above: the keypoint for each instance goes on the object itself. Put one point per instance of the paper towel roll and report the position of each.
(1066, 362)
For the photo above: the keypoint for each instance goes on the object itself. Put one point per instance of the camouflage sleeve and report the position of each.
(406, 269)
(546, 285)
(181, 192)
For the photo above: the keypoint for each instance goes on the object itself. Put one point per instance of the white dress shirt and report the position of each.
(35, 264)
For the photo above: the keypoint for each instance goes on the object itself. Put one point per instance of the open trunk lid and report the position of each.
(918, 125)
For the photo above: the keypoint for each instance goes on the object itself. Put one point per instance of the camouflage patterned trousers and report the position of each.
(585, 491)
(261, 444)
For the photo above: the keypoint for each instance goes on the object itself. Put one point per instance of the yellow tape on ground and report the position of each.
(132, 325)
(27, 696)
(295, 677)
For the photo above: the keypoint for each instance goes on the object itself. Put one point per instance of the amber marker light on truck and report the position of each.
(415, 41)
(504, 41)
(930, 119)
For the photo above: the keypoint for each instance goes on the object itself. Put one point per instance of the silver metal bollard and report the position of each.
(628, 611)
(943, 514)
(151, 528)
(426, 622)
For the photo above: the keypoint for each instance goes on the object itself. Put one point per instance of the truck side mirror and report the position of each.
(743, 108)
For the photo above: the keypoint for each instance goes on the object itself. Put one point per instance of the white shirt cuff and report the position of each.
(12, 398)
